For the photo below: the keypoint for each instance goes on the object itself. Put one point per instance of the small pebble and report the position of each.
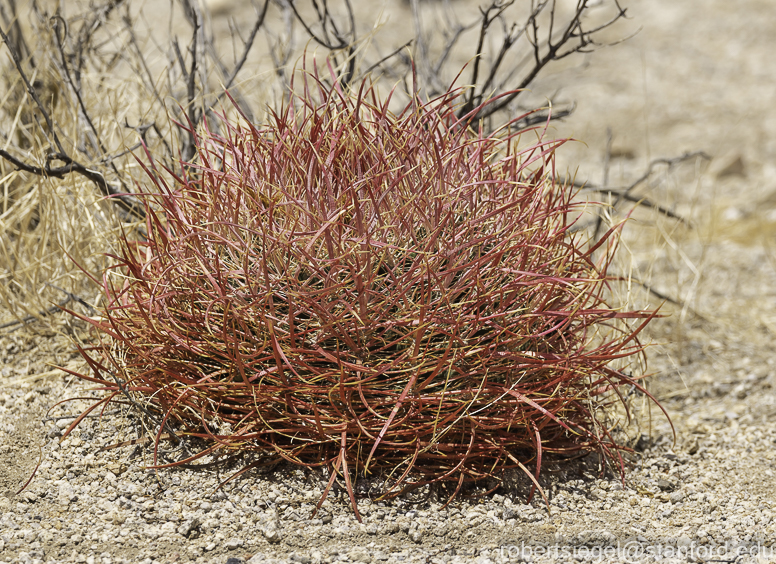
(64, 423)
(231, 544)
(359, 554)
(664, 485)
(510, 513)
(272, 534)
(188, 525)
(684, 541)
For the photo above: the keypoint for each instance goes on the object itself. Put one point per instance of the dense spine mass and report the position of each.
(396, 295)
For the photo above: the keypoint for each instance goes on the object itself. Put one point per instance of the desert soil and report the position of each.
(698, 76)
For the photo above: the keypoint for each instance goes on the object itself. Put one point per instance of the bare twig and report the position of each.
(542, 116)
(18, 324)
(452, 39)
(33, 94)
(279, 52)
(231, 76)
(489, 15)
(383, 60)
(60, 25)
(127, 202)
(50, 311)
(11, 22)
(331, 37)
(643, 202)
(73, 297)
(146, 74)
(625, 193)
(336, 40)
(547, 43)
(190, 76)
(248, 44)
(665, 297)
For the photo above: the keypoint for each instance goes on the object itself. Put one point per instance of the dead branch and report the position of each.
(125, 201)
(279, 51)
(230, 76)
(541, 36)
(33, 94)
(331, 37)
(625, 193)
(11, 23)
(12, 326)
(383, 60)
(75, 87)
(128, 203)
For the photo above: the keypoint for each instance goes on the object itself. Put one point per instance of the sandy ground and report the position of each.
(698, 75)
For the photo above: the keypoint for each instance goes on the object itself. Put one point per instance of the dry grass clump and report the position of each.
(50, 226)
(63, 149)
(395, 295)
(80, 90)
(47, 228)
